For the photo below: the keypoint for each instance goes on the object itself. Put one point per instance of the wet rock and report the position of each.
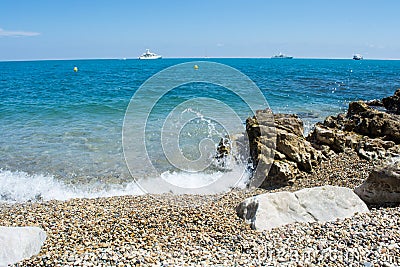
(223, 148)
(392, 103)
(383, 184)
(261, 134)
(18, 243)
(326, 203)
(375, 103)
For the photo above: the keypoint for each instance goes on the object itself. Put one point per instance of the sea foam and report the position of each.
(21, 187)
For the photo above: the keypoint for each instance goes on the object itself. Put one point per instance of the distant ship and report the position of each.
(357, 57)
(280, 55)
(149, 55)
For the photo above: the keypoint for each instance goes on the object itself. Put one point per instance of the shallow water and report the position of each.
(61, 130)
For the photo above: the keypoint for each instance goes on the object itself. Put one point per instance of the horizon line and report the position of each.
(135, 58)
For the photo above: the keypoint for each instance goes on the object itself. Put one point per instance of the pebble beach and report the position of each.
(207, 133)
(167, 230)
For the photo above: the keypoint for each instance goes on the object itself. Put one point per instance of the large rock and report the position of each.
(18, 243)
(326, 203)
(278, 149)
(383, 184)
(392, 103)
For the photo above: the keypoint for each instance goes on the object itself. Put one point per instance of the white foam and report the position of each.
(22, 187)
(199, 179)
(190, 180)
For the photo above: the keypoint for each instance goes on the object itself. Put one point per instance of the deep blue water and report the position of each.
(61, 130)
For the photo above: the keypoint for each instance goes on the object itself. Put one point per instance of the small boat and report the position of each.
(149, 55)
(357, 57)
(280, 55)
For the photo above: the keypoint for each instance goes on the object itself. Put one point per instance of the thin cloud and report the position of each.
(4, 33)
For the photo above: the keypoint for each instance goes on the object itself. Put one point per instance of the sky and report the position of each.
(49, 29)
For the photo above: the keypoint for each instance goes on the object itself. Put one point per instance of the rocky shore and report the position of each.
(371, 130)
(150, 230)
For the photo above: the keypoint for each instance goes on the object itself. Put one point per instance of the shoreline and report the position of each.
(141, 230)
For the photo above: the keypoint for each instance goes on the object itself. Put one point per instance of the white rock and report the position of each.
(325, 203)
(18, 243)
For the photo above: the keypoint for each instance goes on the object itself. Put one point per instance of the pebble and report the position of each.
(167, 230)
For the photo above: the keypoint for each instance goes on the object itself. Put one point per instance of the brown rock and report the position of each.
(282, 172)
(286, 144)
(383, 184)
(375, 103)
(392, 103)
(357, 108)
(289, 123)
(372, 133)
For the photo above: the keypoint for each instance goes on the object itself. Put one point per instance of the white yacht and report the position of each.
(149, 55)
(280, 55)
(357, 57)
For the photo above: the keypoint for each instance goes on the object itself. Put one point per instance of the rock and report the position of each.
(392, 103)
(280, 154)
(375, 149)
(289, 123)
(373, 134)
(279, 151)
(282, 172)
(375, 103)
(223, 148)
(294, 148)
(18, 243)
(371, 122)
(326, 203)
(379, 124)
(262, 138)
(357, 107)
(334, 138)
(383, 184)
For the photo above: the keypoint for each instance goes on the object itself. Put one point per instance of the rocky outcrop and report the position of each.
(280, 154)
(327, 203)
(383, 184)
(18, 243)
(392, 103)
(373, 134)
(278, 142)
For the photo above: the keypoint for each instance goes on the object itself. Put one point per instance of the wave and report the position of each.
(22, 187)
(19, 187)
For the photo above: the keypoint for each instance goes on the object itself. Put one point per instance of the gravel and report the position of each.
(167, 230)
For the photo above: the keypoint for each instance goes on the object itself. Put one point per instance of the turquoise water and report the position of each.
(61, 130)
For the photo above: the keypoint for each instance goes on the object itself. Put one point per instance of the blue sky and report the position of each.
(48, 29)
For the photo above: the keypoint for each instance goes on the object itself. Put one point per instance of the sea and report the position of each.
(61, 130)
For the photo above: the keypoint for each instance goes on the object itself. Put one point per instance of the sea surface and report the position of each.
(61, 130)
